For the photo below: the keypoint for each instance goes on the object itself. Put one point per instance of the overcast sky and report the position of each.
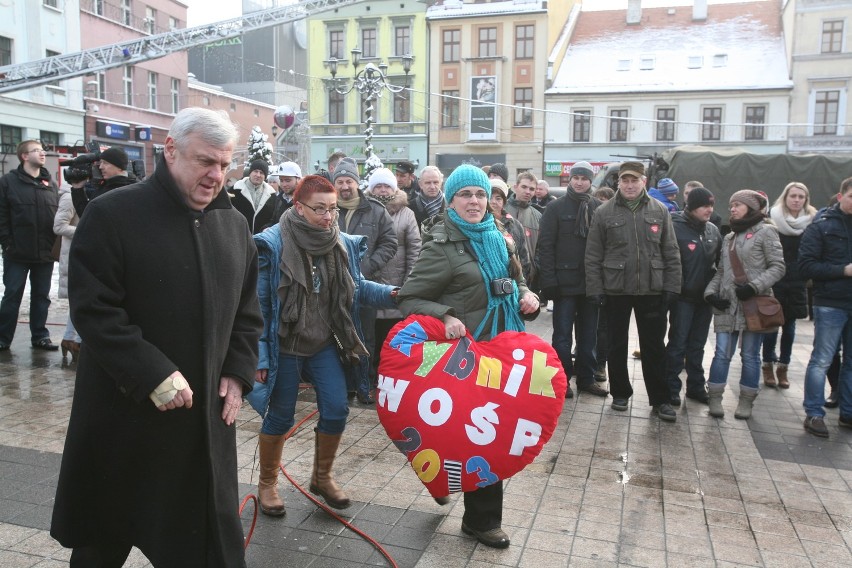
(207, 11)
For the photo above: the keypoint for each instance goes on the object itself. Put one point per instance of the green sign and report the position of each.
(553, 168)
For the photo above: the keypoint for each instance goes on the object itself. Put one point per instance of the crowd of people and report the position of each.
(248, 289)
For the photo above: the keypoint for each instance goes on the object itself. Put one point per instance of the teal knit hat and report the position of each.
(466, 176)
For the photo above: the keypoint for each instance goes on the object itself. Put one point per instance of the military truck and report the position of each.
(727, 170)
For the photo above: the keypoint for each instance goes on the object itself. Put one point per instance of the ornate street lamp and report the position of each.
(370, 82)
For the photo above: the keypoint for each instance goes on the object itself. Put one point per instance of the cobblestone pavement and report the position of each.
(609, 489)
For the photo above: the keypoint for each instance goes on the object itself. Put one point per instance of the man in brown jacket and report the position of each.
(633, 265)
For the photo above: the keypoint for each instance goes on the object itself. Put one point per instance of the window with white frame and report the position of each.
(152, 90)
(402, 40)
(449, 109)
(647, 62)
(127, 84)
(711, 116)
(755, 118)
(581, 126)
(487, 42)
(523, 107)
(48, 138)
(5, 51)
(402, 106)
(175, 92)
(51, 3)
(695, 61)
(10, 137)
(368, 42)
(127, 12)
(335, 43)
(618, 125)
(832, 36)
(100, 85)
(150, 19)
(826, 108)
(525, 41)
(666, 124)
(174, 23)
(451, 52)
(335, 107)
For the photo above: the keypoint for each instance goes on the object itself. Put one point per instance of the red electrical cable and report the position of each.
(249, 497)
(318, 503)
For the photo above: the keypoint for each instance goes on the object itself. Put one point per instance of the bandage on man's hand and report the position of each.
(172, 393)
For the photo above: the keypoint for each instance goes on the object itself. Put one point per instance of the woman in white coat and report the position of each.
(383, 186)
(64, 225)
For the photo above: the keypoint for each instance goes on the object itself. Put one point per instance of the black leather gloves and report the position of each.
(718, 302)
(745, 291)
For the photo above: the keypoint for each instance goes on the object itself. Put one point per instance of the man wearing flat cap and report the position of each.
(633, 266)
(254, 198)
(406, 180)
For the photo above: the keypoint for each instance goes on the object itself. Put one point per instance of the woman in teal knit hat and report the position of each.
(468, 275)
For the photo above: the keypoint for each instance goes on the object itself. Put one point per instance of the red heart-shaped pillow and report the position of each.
(467, 414)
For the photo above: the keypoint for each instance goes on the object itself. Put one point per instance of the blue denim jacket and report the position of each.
(269, 247)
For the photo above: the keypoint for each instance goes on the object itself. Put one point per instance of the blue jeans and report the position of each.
(14, 280)
(726, 345)
(71, 333)
(831, 326)
(689, 326)
(788, 335)
(323, 370)
(569, 313)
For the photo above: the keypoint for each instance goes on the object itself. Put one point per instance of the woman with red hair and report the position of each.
(310, 290)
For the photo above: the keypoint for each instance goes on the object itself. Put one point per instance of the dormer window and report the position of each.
(623, 65)
(646, 62)
(720, 60)
(695, 61)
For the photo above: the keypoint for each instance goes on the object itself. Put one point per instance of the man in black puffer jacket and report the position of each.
(28, 203)
(561, 250)
(699, 242)
(113, 166)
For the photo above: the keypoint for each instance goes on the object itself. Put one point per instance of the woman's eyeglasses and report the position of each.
(322, 211)
(465, 194)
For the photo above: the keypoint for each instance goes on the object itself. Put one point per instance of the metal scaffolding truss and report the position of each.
(33, 73)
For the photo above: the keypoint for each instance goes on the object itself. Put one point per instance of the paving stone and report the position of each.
(701, 492)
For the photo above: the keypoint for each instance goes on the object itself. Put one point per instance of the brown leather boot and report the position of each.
(69, 346)
(271, 446)
(768, 375)
(322, 483)
(781, 372)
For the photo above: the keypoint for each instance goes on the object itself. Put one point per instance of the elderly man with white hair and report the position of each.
(430, 201)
